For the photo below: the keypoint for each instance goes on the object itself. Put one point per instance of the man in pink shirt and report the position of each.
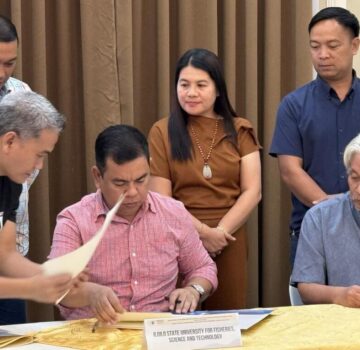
(149, 244)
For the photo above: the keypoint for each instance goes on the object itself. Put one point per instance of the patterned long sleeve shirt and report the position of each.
(140, 260)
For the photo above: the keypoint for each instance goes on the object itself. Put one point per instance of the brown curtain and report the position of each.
(112, 61)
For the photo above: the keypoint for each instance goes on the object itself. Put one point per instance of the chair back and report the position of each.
(295, 298)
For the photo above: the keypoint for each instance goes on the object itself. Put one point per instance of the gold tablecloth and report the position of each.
(306, 327)
(299, 327)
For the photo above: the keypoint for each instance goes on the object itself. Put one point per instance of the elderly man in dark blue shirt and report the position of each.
(316, 121)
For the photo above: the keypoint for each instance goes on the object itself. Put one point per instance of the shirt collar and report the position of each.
(5, 89)
(151, 202)
(100, 205)
(327, 89)
(101, 208)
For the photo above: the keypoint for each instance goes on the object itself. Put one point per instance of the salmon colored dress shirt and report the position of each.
(139, 260)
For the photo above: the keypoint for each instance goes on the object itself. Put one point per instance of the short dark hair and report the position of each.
(8, 30)
(179, 137)
(121, 143)
(342, 16)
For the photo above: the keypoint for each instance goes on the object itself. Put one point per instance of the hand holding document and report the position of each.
(75, 262)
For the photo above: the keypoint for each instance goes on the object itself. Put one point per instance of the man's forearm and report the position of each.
(19, 288)
(79, 297)
(305, 189)
(313, 293)
(15, 265)
(12, 263)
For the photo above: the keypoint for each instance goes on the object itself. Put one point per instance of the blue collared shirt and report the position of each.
(313, 124)
(329, 244)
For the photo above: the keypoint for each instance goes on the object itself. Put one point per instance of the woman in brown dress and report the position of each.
(208, 158)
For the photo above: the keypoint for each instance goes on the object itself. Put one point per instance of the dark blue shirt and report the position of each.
(313, 124)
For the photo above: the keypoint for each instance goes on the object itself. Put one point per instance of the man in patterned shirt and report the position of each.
(13, 311)
(149, 243)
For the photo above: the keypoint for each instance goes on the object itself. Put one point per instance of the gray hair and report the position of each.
(351, 150)
(28, 113)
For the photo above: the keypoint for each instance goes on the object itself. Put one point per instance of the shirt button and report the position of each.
(133, 254)
(136, 282)
(340, 130)
(342, 176)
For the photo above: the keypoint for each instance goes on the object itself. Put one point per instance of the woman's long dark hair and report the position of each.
(179, 137)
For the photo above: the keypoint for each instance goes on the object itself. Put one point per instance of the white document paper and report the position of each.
(75, 261)
(247, 321)
(26, 328)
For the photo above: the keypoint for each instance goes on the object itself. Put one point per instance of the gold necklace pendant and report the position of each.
(207, 173)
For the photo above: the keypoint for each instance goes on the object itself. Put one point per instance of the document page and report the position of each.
(75, 261)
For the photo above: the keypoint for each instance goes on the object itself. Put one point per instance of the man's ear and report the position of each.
(355, 45)
(96, 176)
(7, 141)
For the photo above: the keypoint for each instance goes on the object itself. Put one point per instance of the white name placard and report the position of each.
(193, 332)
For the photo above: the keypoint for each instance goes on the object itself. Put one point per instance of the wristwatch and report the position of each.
(200, 289)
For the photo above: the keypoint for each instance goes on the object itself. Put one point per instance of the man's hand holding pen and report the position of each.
(183, 300)
(104, 303)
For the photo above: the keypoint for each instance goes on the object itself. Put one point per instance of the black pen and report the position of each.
(96, 324)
